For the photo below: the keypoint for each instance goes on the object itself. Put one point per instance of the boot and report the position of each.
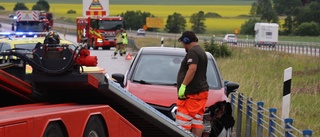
(115, 53)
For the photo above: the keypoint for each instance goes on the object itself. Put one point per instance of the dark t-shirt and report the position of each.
(196, 55)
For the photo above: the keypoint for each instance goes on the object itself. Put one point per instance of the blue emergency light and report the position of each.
(23, 34)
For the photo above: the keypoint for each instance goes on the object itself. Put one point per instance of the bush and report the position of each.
(248, 27)
(212, 15)
(217, 50)
(2, 8)
(71, 12)
(308, 29)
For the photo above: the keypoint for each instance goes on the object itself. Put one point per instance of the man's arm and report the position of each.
(190, 74)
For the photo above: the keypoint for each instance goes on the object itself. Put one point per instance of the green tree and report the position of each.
(44, 4)
(176, 23)
(285, 7)
(288, 25)
(268, 13)
(135, 19)
(308, 13)
(37, 7)
(2, 8)
(197, 19)
(253, 10)
(20, 6)
(248, 27)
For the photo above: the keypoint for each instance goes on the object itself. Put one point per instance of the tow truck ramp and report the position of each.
(150, 121)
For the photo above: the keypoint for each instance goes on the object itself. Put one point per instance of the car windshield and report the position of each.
(110, 24)
(232, 36)
(29, 26)
(163, 70)
(29, 46)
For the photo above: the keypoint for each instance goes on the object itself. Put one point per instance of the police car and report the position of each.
(25, 42)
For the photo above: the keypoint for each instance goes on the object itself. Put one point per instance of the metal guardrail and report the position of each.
(266, 120)
(311, 49)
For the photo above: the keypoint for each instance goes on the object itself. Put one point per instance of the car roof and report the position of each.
(165, 51)
(15, 41)
(230, 35)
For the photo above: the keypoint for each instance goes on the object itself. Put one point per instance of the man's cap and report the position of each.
(190, 35)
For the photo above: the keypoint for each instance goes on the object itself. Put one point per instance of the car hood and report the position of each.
(166, 96)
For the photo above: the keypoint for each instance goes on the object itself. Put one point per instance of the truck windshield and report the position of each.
(110, 24)
(29, 26)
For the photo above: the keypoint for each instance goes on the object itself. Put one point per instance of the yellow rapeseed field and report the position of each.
(213, 24)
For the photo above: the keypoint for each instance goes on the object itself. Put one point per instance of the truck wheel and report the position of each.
(94, 46)
(106, 48)
(95, 128)
(53, 130)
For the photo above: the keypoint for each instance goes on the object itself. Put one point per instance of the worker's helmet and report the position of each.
(52, 38)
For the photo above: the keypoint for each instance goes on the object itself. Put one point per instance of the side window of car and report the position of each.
(1, 47)
(5, 46)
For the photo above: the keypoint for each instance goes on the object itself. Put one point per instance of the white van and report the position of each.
(266, 34)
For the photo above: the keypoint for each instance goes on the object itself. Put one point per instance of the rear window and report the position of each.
(163, 70)
(269, 33)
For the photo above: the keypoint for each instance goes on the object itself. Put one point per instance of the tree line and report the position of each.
(302, 17)
(40, 5)
(176, 23)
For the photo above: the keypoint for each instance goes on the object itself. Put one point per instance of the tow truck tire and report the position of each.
(95, 128)
(53, 130)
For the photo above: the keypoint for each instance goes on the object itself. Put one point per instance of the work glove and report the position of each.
(182, 89)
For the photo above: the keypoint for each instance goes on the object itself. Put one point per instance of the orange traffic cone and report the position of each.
(128, 57)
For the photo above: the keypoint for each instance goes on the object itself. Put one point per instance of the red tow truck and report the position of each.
(99, 31)
(59, 99)
(32, 21)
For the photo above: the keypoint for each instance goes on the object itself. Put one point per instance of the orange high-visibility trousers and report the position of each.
(190, 111)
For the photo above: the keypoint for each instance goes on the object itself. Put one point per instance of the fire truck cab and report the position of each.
(99, 31)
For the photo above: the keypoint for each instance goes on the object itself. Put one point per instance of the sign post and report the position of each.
(286, 93)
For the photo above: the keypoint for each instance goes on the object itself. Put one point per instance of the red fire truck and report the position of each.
(99, 31)
(32, 21)
(59, 99)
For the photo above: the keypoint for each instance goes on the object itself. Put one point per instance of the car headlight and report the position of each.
(99, 40)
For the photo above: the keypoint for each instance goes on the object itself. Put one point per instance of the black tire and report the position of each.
(94, 46)
(53, 130)
(95, 128)
(106, 48)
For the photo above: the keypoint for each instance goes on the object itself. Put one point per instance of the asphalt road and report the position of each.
(105, 60)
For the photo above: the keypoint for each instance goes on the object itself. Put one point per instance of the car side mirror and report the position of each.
(231, 87)
(119, 78)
